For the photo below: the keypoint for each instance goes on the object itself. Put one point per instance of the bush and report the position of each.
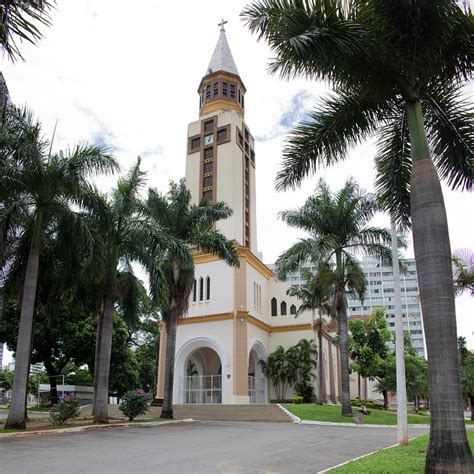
(66, 409)
(297, 399)
(355, 402)
(134, 404)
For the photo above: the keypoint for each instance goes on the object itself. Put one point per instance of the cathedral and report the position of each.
(237, 316)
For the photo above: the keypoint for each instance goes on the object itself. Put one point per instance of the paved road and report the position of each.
(198, 447)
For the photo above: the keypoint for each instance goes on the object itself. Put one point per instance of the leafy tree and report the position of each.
(173, 278)
(302, 360)
(19, 21)
(37, 190)
(467, 381)
(278, 371)
(397, 69)
(338, 225)
(315, 295)
(368, 347)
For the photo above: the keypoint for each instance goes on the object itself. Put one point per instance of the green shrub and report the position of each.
(134, 404)
(355, 402)
(66, 409)
(297, 399)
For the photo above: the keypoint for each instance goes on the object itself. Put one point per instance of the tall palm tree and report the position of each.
(19, 21)
(38, 190)
(397, 69)
(315, 296)
(194, 226)
(127, 236)
(339, 226)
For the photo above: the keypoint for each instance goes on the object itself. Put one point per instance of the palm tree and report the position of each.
(463, 271)
(397, 69)
(38, 189)
(315, 295)
(127, 236)
(19, 20)
(338, 225)
(174, 278)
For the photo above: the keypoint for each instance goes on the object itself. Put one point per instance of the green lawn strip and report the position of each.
(309, 411)
(400, 459)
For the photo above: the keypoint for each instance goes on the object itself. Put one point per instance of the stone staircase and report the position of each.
(251, 412)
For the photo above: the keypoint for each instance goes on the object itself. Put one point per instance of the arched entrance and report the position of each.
(202, 381)
(256, 379)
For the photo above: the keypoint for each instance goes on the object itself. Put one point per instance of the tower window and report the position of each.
(232, 91)
(241, 138)
(208, 91)
(216, 88)
(207, 181)
(208, 125)
(274, 307)
(208, 153)
(283, 308)
(208, 167)
(195, 143)
(201, 289)
(221, 134)
(194, 291)
(242, 100)
(224, 88)
(208, 288)
(292, 309)
(239, 97)
(207, 195)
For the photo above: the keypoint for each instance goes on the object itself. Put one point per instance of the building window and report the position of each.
(208, 167)
(216, 88)
(208, 288)
(194, 291)
(221, 134)
(208, 91)
(239, 96)
(208, 125)
(224, 88)
(207, 181)
(242, 100)
(208, 153)
(292, 309)
(207, 195)
(201, 289)
(273, 305)
(283, 308)
(232, 91)
(195, 143)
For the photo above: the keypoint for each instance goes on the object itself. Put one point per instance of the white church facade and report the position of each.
(236, 316)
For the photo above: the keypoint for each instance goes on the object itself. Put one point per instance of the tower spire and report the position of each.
(222, 59)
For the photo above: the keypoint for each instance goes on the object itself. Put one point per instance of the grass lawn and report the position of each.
(401, 459)
(309, 411)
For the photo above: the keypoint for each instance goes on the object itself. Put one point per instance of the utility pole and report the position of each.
(402, 430)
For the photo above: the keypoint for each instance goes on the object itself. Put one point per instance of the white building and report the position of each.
(237, 316)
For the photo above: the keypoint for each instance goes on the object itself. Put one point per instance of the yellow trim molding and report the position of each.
(206, 319)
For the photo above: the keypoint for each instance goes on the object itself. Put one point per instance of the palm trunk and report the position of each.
(385, 399)
(102, 366)
(448, 449)
(471, 400)
(171, 327)
(322, 379)
(97, 353)
(17, 413)
(343, 346)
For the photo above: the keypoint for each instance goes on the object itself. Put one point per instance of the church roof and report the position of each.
(222, 59)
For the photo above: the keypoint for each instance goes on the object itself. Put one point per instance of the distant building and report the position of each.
(380, 293)
(1, 354)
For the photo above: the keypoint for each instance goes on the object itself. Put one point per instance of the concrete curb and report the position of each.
(363, 456)
(80, 429)
(354, 425)
(295, 418)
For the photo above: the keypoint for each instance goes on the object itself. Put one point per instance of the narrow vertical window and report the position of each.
(283, 308)
(224, 88)
(201, 289)
(274, 307)
(208, 288)
(194, 291)
(292, 309)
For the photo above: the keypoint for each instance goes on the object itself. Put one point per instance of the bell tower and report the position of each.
(220, 162)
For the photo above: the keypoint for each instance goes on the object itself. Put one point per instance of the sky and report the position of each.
(128, 77)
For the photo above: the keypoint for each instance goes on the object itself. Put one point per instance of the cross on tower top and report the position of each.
(222, 23)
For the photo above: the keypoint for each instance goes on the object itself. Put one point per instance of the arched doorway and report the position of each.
(257, 381)
(202, 381)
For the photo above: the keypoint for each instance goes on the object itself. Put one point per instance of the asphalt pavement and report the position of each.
(196, 447)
